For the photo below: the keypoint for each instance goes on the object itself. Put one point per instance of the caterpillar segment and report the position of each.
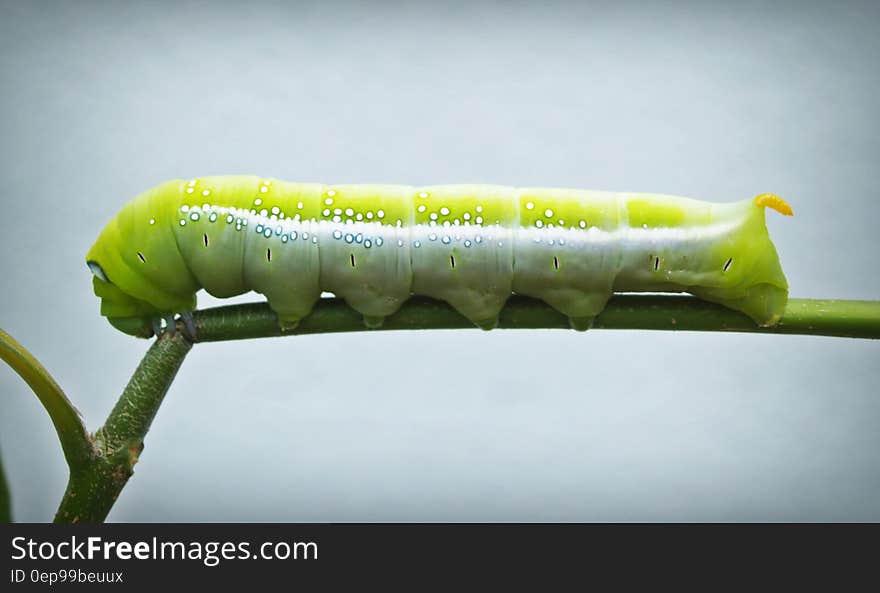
(471, 246)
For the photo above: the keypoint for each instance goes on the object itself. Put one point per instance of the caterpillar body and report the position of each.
(469, 245)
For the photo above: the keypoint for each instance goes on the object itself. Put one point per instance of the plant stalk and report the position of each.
(100, 466)
(5, 497)
(72, 433)
(94, 487)
(850, 319)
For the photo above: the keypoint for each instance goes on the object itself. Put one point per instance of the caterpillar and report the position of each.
(469, 245)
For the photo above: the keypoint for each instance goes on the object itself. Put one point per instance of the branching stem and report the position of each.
(100, 466)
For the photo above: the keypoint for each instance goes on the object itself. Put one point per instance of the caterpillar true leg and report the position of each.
(189, 324)
(170, 325)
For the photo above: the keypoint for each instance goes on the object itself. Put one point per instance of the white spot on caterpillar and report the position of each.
(299, 205)
(370, 215)
(368, 243)
(433, 236)
(445, 240)
(263, 189)
(152, 221)
(328, 201)
(379, 241)
(337, 218)
(326, 212)
(337, 234)
(422, 208)
(230, 218)
(293, 235)
(423, 194)
(444, 211)
(191, 183)
(479, 208)
(331, 193)
(467, 216)
(275, 209)
(337, 211)
(478, 239)
(467, 242)
(349, 237)
(530, 205)
(539, 223)
(194, 216)
(400, 242)
(433, 216)
(264, 212)
(417, 243)
(206, 192)
(645, 225)
(358, 238)
(582, 224)
(182, 222)
(212, 217)
(349, 212)
(478, 220)
(380, 213)
(548, 213)
(189, 190)
(184, 208)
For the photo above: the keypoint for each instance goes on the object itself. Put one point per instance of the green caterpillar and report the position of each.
(469, 245)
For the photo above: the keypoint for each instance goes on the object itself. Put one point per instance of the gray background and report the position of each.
(717, 101)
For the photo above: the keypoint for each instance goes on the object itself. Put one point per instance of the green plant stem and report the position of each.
(5, 497)
(72, 433)
(100, 467)
(93, 488)
(852, 319)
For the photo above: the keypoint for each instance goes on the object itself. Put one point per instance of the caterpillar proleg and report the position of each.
(469, 245)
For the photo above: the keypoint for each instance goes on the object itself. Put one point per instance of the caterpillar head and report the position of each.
(124, 312)
(137, 269)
